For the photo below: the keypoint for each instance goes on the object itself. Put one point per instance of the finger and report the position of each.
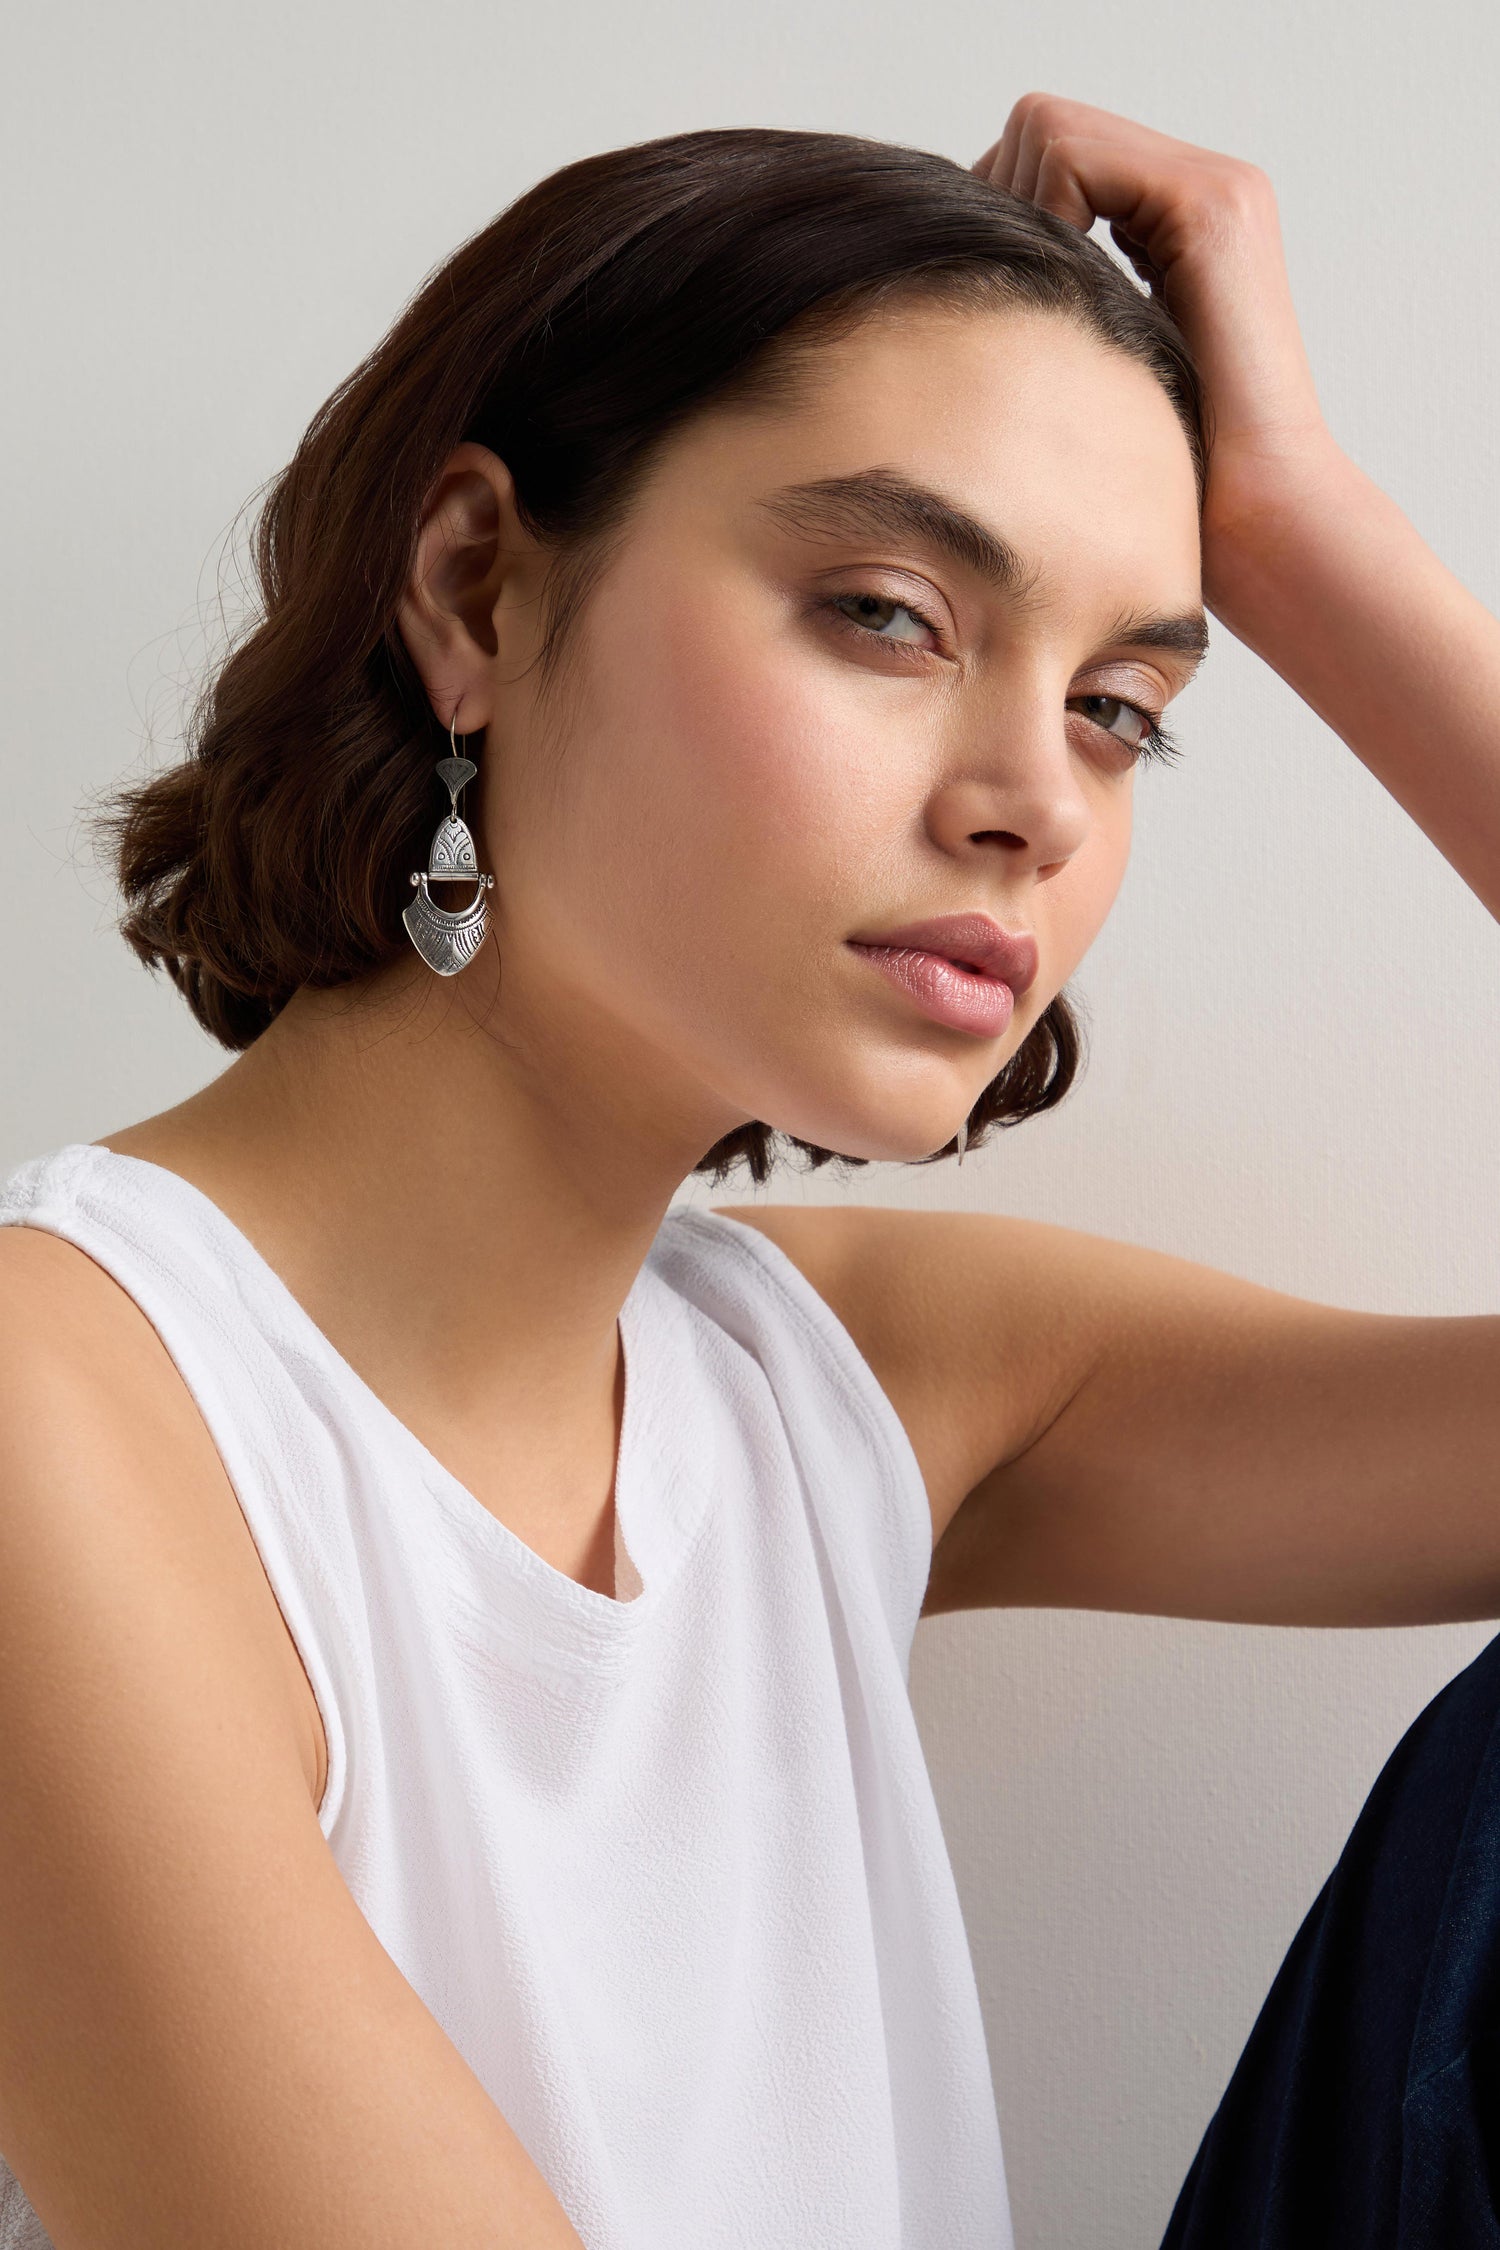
(1038, 130)
(1135, 252)
(998, 163)
(1047, 123)
(1058, 189)
(1030, 147)
(1105, 180)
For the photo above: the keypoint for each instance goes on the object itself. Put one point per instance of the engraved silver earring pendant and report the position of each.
(963, 1138)
(448, 938)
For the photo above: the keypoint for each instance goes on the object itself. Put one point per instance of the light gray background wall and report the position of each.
(210, 214)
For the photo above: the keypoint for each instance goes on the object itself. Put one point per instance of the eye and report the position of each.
(1128, 723)
(875, 618)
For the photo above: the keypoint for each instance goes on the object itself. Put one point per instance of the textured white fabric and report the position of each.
(667, 1870)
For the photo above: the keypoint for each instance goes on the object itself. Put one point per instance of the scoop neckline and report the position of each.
(603, 1618)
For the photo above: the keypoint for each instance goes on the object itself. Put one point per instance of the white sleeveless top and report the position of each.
(667, 1870)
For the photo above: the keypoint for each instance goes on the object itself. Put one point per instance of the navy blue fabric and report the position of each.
(1365, 2109)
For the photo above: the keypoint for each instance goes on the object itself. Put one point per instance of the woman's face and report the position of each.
(805, 706)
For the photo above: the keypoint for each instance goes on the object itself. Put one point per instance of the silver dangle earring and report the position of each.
(448, 939)
(963, 1138)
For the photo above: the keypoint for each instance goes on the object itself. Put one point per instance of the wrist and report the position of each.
(1267, 504)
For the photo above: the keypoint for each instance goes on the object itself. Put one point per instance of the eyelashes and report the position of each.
(1154, 741)
(1159, 743)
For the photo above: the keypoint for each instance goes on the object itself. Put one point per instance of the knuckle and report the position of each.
(1043, 110)
(1244, 187)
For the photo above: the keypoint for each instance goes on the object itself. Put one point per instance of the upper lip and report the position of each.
(974, 940)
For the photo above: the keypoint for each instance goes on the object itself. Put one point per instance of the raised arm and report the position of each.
(202, 2041)
(1101, 1426)
(1304, 558)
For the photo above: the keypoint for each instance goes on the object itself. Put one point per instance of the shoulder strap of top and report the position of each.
(861, 1472)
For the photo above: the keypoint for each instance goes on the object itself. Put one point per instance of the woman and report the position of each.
(457, 1611)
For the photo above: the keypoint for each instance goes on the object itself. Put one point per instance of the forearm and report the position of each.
(1318, 571)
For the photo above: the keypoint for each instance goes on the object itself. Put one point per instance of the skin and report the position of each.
(732, 782)
(732, 785)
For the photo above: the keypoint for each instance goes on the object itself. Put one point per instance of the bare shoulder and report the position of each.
(1113, 1427)
(962, 1318)
(202, 2038)
(102, 1445)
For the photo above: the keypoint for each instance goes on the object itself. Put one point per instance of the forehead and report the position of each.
(1069, 449)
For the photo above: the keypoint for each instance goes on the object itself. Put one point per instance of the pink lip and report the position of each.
(961, 969)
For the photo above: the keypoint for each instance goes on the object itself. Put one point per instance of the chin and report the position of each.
(861, 1097)
(884, 1142)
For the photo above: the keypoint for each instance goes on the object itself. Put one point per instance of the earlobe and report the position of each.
(470, 543)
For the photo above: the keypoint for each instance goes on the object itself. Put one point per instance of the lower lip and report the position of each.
(942, 990)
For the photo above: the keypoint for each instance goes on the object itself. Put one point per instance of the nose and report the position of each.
(1017, 791)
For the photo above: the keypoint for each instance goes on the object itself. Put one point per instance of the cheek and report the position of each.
(741, 760)
(778, 747)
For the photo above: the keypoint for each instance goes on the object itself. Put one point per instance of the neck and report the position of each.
(460, 1201)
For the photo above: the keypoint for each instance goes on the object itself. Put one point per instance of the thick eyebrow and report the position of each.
(1186, 635)
(883, 501)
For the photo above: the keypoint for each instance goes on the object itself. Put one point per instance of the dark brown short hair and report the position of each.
(572, 336)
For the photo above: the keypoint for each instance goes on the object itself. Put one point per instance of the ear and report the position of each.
(472, 552)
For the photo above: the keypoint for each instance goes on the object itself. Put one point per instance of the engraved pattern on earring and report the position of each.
(962, 1138)
(446, 938)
